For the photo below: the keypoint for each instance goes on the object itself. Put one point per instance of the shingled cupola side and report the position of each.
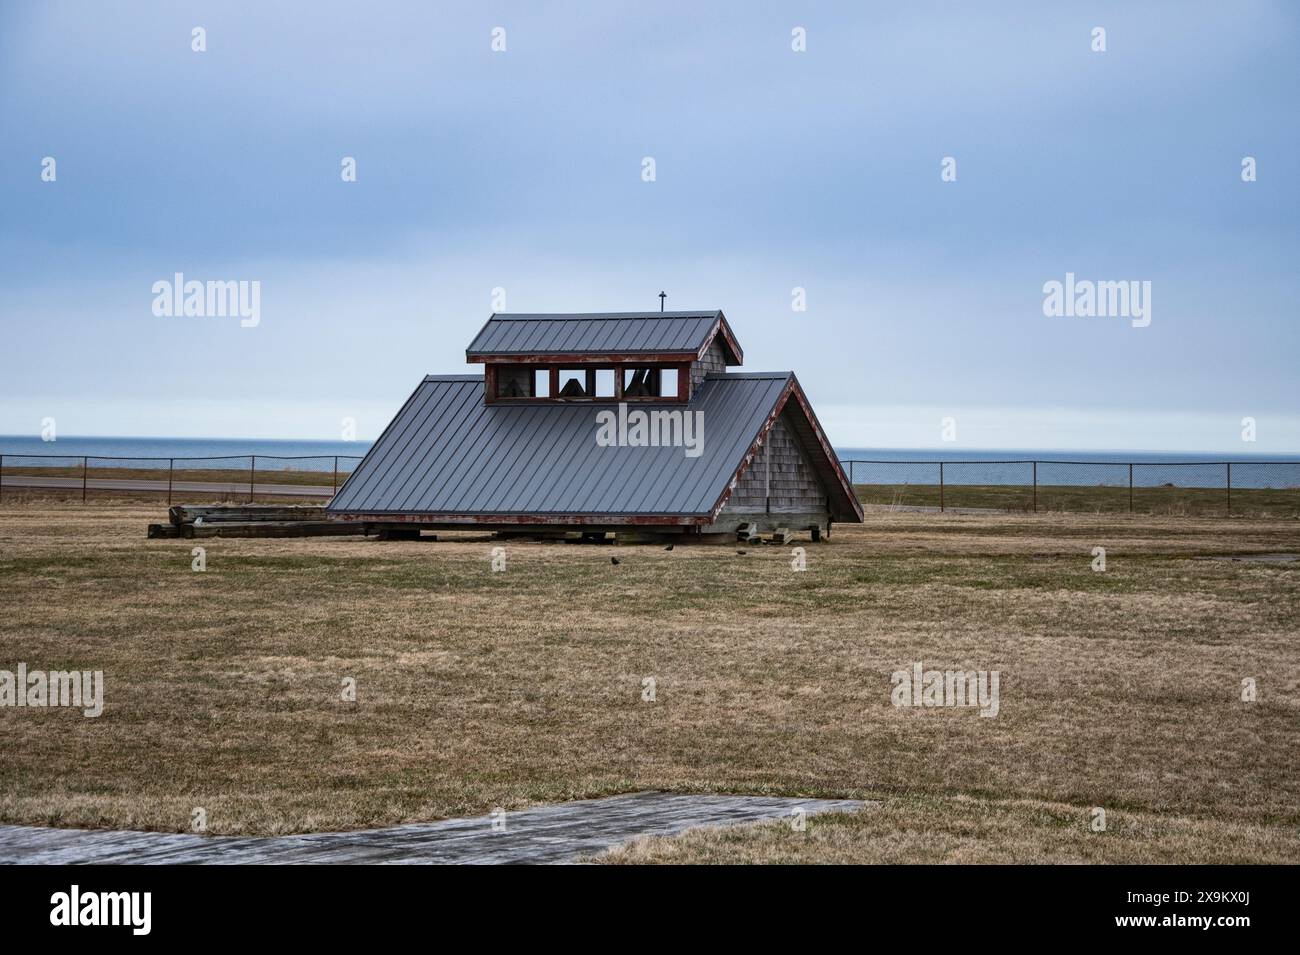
(521, 446)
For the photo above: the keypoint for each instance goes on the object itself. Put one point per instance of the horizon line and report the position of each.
(366, 443)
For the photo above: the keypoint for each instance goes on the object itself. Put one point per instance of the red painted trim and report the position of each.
(722, 328)
(591, 358)
(632, 400)
(549, 519)
(491, 377)
(827, 451)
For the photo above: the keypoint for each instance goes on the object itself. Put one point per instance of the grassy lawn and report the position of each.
(477, 689)
(1109, 499)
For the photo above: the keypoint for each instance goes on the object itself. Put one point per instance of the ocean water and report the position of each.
(886, 465)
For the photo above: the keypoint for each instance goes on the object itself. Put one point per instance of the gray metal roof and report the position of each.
(447, 452)
(597, 332)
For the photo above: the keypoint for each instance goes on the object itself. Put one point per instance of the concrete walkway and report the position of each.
(543, 834)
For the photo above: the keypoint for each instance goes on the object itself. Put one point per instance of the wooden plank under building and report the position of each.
(211, 513)
(276, 529)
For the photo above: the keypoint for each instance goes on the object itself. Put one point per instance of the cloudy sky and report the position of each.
(774, 169)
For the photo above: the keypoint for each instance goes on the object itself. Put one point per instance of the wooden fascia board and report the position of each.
(721, 327)
(792, 389)
(543, 519)
(828, 452)
(754, 447)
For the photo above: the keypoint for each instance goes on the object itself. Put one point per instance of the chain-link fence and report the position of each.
(1254, 488)
(245, 477)
(1257, 488)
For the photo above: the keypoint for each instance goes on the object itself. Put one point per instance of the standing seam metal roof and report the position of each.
(447, 452)
(612, 332)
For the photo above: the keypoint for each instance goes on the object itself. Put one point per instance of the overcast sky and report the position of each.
(774, 169)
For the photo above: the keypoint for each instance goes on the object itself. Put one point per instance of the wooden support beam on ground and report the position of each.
(244, 514)
(275, 529)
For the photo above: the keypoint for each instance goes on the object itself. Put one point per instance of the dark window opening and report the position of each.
(574, 384)
(514, 381)
(632, 382)
(650, 382)
(640, 382)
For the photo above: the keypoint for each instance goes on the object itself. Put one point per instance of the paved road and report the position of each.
(543, 834)
(224, 488)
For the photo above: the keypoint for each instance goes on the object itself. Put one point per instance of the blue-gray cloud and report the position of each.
(775, 169)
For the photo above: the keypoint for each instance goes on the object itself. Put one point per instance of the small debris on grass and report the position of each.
(742, 553)
(1255, 558)
(614, 560)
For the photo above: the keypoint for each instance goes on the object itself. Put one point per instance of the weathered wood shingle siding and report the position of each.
(782, 472)
(713, 362)
(520, 376)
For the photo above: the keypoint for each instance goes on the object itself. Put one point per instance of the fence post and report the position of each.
(171, 466)
(940, 487)
(1229, 488)
(1035, 487)
(336, 474)
(1130, 488)
(252, 472)
(84, 461)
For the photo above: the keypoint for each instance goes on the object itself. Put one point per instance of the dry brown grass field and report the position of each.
(1280, 503)
(476, 689)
